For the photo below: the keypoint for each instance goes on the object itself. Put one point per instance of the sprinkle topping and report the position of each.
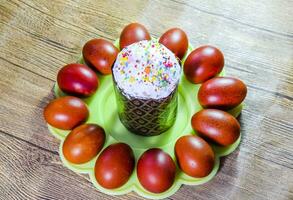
(146, 69)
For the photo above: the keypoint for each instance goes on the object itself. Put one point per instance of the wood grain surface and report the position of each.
(37, 37)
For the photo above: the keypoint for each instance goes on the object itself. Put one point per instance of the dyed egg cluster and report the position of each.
(156, 170)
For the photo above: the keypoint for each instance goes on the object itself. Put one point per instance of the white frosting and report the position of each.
(146, 69)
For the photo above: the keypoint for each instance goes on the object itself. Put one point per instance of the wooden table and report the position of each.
(37, 37)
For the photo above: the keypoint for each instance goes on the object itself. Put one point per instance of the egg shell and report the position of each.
(83, 143)
(216, 126)
(132, 33)
(66, 112)
(176, 40)
(100, 54)
(222, 93)
(156, 170)
(114, 165)
(77, 79)
(203, 63)
(195, 156)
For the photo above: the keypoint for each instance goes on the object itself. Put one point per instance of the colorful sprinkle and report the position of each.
(147, 69)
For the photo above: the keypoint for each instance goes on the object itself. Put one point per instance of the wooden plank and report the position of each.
(243, 49)
(245, 14)
(246, 181)
(29, 172)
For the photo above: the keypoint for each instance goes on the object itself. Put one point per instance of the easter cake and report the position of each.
(146, 77)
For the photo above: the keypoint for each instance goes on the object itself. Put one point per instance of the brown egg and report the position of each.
(132, 33)
(78, 80)
(176, 40)
(100, 54)
(203, 63)
(114, 166)
(216, 126)
(222, 93)
(156, 170)
(83, 143)
(66, 112)
(195, 156)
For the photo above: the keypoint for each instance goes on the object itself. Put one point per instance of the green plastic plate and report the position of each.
(103, 111)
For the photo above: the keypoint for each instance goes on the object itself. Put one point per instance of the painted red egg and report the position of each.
(176, 40)
(216, 126)
(83, 143)
(195, 156)
(132, 33)
(203, 63)
(114, 166)
(77, 79)
(100, 54)
(66, 112)
(222, 93)
(156, 170)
